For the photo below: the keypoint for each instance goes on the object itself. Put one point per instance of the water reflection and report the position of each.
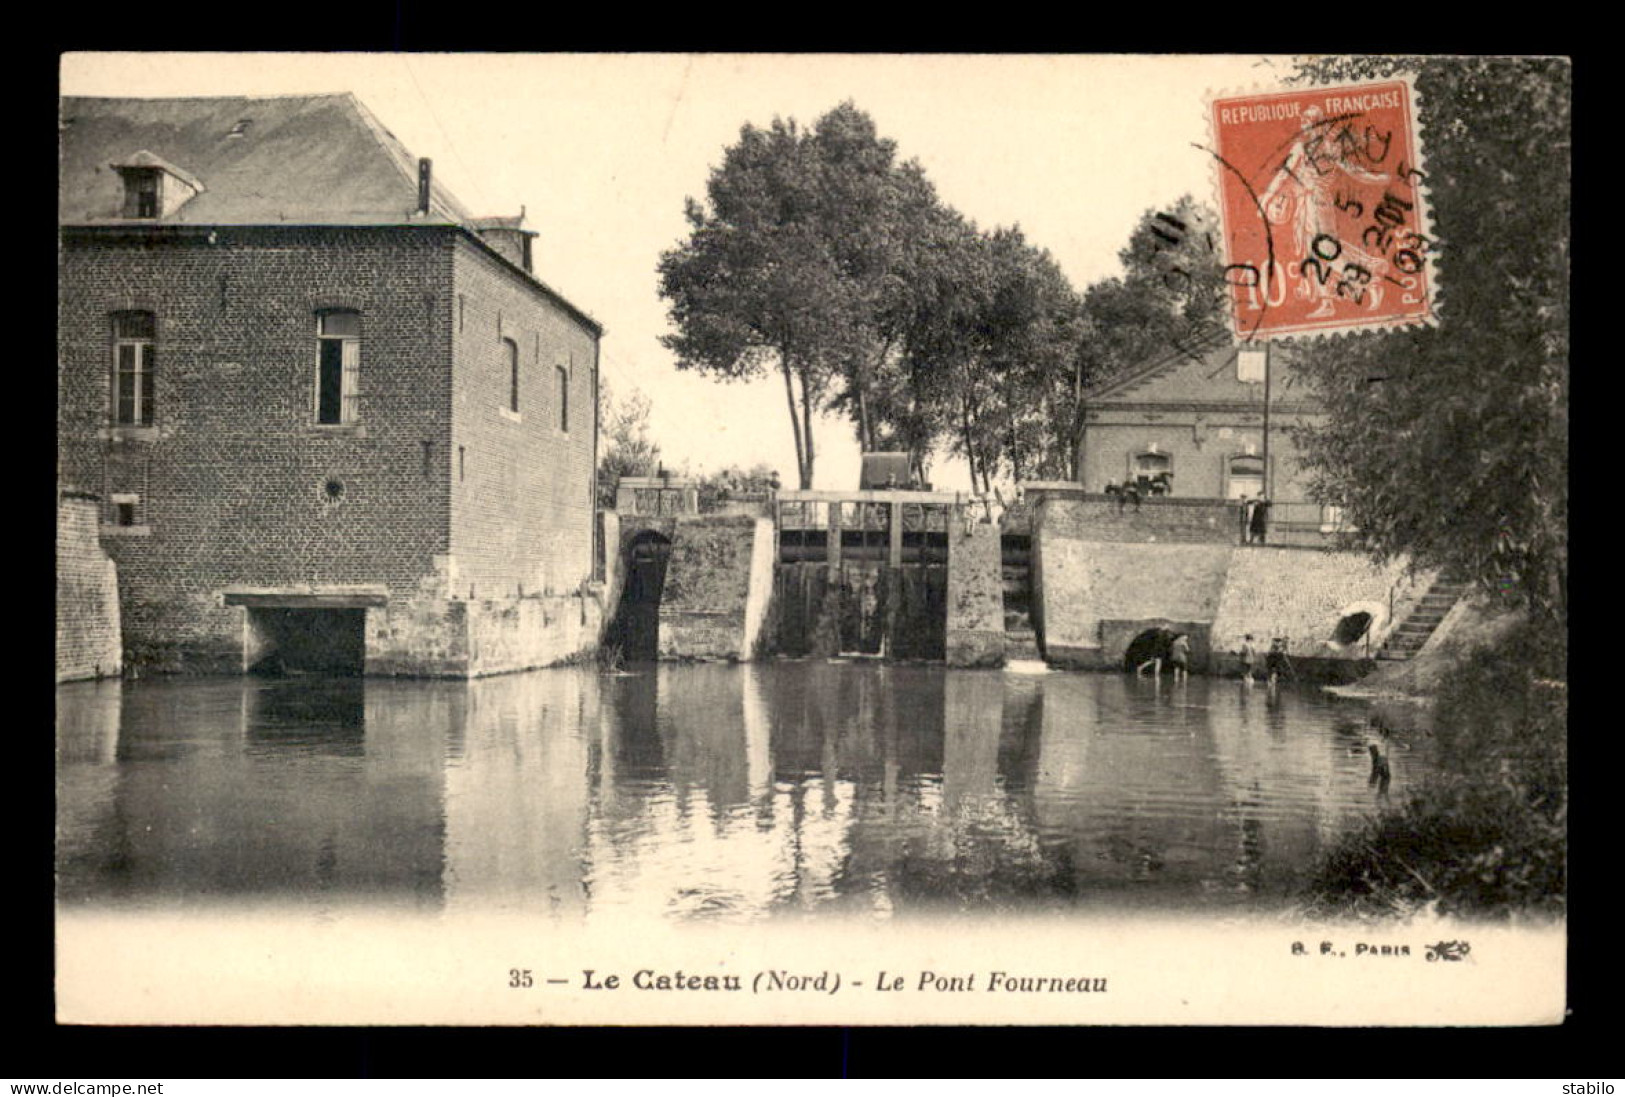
(716, 792)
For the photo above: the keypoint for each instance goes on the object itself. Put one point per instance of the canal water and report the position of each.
(781, 790)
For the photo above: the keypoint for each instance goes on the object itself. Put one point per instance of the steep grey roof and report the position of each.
(1204, 354)
(299, 159)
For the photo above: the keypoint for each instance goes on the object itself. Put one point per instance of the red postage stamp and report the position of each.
(1322, 198)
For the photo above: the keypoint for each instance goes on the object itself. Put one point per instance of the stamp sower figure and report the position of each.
(1249, 659)
(1179, 657)
(1304, 195)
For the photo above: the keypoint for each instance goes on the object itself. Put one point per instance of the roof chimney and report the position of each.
(425, 167)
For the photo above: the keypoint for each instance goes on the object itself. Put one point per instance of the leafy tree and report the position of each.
(624, 432)
(755, 285)
(1449, 444)
(919, 394)
(877, 212)
(798, 260)
(1030, 329)
(1170, 295)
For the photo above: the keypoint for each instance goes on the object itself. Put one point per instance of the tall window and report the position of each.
(563, 376)
(134, 336)
(511, 350)
(1246, 476)
(338, 367)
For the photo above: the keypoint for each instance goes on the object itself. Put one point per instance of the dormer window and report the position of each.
(142, 191)
(154, 188)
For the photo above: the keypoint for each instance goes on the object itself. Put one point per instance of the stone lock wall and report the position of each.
(718, 583)
(87, 612)
(975, 596)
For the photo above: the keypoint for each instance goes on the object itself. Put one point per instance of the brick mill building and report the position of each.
(331, 420)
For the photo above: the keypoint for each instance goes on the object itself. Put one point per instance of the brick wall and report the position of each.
(239, 486)
(233, 476)
(1199, 455)
(522, 486)
(87, 612)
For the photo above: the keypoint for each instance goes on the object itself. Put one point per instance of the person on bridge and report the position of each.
(1258, 519)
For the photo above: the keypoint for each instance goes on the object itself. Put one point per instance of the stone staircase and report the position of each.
(1413, 632)
(1020, 641)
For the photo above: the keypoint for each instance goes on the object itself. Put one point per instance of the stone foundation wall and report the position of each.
(436, 635)
(87, 607)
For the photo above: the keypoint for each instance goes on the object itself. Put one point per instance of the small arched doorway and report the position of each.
(1150, 644)
(637, 624)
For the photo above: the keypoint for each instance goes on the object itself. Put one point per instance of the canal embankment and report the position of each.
(1485, 835)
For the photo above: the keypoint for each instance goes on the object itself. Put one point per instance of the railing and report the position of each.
(895, 526)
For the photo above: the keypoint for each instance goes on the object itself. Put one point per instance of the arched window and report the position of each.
(1244, 476)
(134, 360)
(1152, 464)
(338, 366)
(510, 351)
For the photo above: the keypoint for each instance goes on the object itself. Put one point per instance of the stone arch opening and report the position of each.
(636, 628)
(1152, 643)
(1351, 627)
(1356, 622)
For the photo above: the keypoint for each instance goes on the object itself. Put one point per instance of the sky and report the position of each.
(602, 150)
